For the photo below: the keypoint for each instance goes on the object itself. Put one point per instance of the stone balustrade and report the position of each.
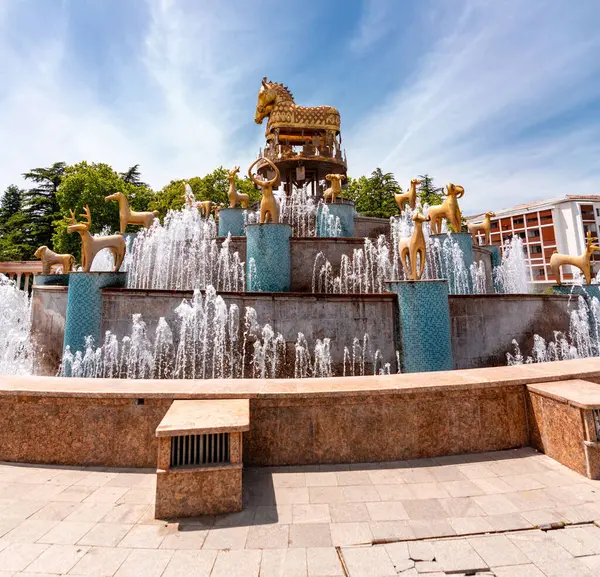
(22, 272)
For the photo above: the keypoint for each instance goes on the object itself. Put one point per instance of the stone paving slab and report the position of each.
(431, 517)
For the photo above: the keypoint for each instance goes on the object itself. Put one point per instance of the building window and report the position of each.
(598, 212)
(518, 221)
(533, 232)
(535, 249)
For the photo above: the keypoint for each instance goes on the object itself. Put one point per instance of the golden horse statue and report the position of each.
(448, 209)
(276, 102)
(92, 245)
(335, 189)
(409, 197)
(582, 262)
(411, 247)
(50, 258)
(476, 228)
(233, 195)
(128, 216)
(269, 207)
(205, 208)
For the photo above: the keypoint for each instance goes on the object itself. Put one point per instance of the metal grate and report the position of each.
(197, 450)
(596, 414)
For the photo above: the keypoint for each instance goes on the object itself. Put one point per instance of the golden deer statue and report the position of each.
(335, 189)
(92, 245)
(475, 228)
(233, 194)
(128, 216)
(269, 206)
(409, 197)
(581, 262)
(448, 209)
(410, 247)
(50, 258)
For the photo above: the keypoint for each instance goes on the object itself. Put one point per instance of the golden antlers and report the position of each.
(73, 219)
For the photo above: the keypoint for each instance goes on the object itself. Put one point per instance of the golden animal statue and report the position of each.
(92, 245)
(581, 262)
(410, 197)
(128, 216)
(475, 228)
(448, 209)
(50, 258)
(411, 247)
(277, 102)
(233, 194)
(269, 206)
(335, 189)
(205, 207)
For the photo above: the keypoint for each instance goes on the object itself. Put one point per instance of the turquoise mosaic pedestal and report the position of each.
(586, 290)
(268, 258)
(494, 250)
(423, 321)
(231, 221)
(84, 305)
(344, 211)
(51, 280)
(465, 241)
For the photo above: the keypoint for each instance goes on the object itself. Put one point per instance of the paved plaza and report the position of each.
(463, 515)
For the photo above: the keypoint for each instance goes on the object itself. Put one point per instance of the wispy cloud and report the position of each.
(374, 24)
(480, 107)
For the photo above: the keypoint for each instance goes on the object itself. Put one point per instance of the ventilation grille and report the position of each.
(197, 450)
(596, 413)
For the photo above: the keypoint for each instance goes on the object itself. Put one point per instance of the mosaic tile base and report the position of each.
(345, 212)
(51, 279)
(268, 246)
(424, 325)
(231, 221)
(589, 290)
(84, 305)
(494, 250)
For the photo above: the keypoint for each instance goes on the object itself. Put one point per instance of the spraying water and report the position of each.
(510, 277)
(16, 354)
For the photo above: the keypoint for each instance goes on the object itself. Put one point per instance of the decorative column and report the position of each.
(268, 257)
(423, 320)
(231, 221)
(342, 209)
(84, 305)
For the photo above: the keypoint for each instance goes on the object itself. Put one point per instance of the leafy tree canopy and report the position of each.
(428, 193)
(213, 186)
(374, 195)
(14, 226)
(88, 184)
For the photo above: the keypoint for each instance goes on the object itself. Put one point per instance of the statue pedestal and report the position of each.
(423, 320)
(464, 240)
(268, 257)
(494, 251)
(84, 306)
(465, 243)
(51, 280)
(587, 290)
(343, 210)
(231, 221)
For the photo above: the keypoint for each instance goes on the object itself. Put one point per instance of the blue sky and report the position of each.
(502, 97)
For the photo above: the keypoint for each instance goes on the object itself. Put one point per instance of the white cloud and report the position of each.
(183, 127)
(474, 109)
(373, 25)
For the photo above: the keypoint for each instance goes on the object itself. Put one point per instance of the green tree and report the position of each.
(40, 204)
(89, 184)
(213, 186)
(13, 229)
(428, 193)
(374, 195)
(133, 176)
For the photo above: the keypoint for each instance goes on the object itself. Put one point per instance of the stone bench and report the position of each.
(200, 458)
(564, 419)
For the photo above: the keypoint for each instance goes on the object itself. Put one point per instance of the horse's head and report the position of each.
(267, 96)
(234, 171)
(416, 181)
(490, 214)
(115, 196)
